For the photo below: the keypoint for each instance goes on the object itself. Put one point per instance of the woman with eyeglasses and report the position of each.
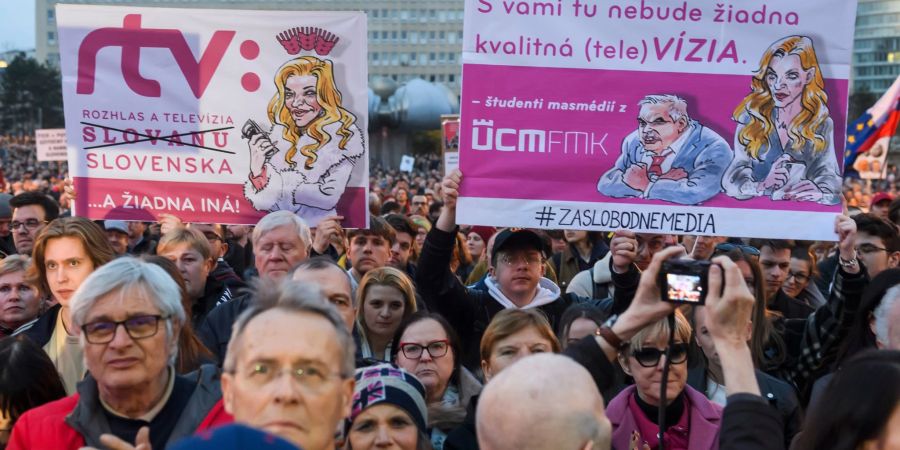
(429, 348)
(801, 273)
(65, 253)
(692, 420)
(512, 335)
(129, 316)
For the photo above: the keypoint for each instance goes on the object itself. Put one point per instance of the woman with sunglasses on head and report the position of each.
(692, 420)
(429, 348)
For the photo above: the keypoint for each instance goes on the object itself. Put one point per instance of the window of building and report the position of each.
(451, 78)
(51, 37)
(432, 56)
(431, 78)
(51, 15)
(413, 59)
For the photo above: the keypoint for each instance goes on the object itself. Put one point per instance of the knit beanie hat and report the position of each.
(386, 383)
(482, 231)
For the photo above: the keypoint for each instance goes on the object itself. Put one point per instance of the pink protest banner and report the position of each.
(688, 117)
(215, 115)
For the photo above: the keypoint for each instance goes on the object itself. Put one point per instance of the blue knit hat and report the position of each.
(234, 436)
(387, 383)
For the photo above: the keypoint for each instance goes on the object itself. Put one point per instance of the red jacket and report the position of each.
(45, 427)
(56, 425)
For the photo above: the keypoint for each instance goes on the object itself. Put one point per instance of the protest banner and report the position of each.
(450, 141)
(50, 144)
(215, 115)
(406, 163)
(685, 117)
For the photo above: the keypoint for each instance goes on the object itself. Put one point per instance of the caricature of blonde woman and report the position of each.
(784, 143)
(304, 163)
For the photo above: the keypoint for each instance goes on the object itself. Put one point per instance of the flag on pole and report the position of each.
(874, 128)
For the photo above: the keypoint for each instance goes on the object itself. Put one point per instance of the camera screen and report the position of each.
(684, 288)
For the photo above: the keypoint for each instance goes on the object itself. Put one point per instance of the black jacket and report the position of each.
(215, 330)
(222, 285)
(469, 311)
(748, 423)
(776, 393)
(790, 307)
(464, 437)
(41, 331)
(146, 246)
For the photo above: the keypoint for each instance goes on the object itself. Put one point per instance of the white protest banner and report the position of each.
(50, 144)
(686, 117)
(406, 163)
(215, 115)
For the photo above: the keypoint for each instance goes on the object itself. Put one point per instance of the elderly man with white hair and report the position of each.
(281, 241)
(128, 316)
(887, 320)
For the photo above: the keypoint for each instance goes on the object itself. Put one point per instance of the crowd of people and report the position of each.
(422, 333)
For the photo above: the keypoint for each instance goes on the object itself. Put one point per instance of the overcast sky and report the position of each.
(16, 25)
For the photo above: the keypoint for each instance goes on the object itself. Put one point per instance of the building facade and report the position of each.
(876, 47)
(407, 38)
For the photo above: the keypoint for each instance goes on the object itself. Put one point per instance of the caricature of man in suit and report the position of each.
(669, 157)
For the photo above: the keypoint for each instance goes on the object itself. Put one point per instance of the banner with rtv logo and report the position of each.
(215, 115)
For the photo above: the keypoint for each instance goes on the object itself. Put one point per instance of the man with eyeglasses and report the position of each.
(515, 278)
(669, 157)
(129, 316)
(419, 206)
(877, 243)
(298, 392)
(31, 211)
